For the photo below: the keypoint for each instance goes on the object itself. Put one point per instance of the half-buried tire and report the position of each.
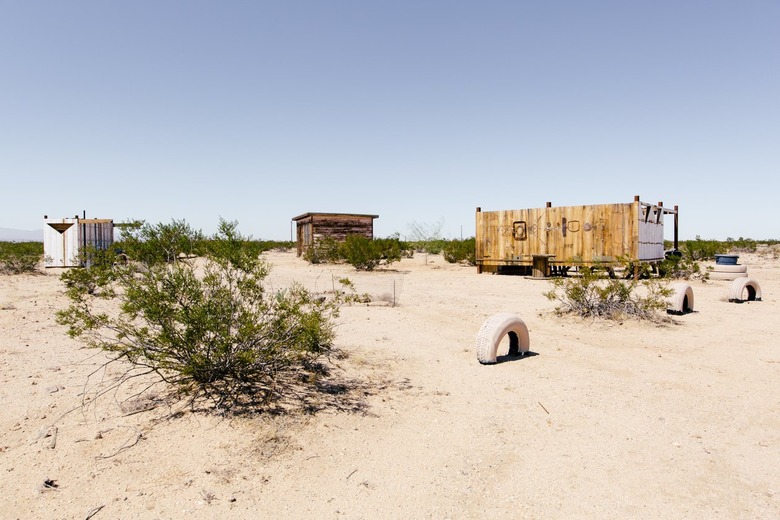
(681, 301)
(744, 290)
(493, 331)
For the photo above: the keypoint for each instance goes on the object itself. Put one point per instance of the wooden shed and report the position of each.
(552, 237)
(64, 237)
(312, 227)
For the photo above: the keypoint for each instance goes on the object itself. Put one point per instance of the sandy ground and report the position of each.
(608, 420)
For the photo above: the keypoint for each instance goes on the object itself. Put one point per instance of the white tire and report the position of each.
(724, 268)
(493, 331)
(715, 275)
(742, 287)
(681, 301)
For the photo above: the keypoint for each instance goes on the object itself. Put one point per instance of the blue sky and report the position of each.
(415, 110)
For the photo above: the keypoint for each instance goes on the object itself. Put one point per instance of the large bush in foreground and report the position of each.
(207, 326)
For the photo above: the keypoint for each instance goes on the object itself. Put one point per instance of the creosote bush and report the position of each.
(362, 253)
(152, 244)
(206, 325)
(325, 251)
(365, 254)
(20, 257)
(591, 294)
(461, 251)
(681, 267)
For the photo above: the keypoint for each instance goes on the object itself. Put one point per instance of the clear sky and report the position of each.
(414, 110)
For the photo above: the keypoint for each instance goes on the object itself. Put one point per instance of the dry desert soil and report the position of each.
(604, 420)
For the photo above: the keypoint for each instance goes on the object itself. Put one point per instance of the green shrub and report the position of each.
(326, 250)
(210, 331)
(703, 249)
(592, 295)
(20, 257)
(461, 251)
(160, 243)
(741, 245)
(99, 273)
(365, 254)
(680, 267)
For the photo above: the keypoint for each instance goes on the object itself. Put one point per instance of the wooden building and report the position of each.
(312, 227)
(63, 238)
(557, 237)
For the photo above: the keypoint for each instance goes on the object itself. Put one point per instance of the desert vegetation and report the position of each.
(595, 294)
(20, 257)
(206, 326)
(461, 251)
(364, 254)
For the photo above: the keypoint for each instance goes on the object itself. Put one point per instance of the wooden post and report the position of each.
(479, 266)
(676, 215)
(540, 266)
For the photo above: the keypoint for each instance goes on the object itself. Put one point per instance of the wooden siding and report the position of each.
(311, 227)
(571, 235)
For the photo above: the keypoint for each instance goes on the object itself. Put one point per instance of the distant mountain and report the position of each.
(19, 235)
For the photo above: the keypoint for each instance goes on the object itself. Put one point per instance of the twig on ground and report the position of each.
(129, 444)
(92, 512)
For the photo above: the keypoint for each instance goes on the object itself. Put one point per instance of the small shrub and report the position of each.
(325, 250)
(348, 293)
(365, 254)
(20, 257)
(591, 295)
(680, 267)
(461, 251)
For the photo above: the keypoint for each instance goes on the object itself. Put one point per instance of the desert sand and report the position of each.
(605, 420)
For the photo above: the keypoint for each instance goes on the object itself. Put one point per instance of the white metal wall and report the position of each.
(60, 242)
(62, 239)
(651, 233)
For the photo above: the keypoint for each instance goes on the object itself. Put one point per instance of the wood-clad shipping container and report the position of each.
(571, 235)
(311, 227)
(64, 237)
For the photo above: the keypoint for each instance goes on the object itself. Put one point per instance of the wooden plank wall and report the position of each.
(590, 234)
(316, 226)
(338, 227)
